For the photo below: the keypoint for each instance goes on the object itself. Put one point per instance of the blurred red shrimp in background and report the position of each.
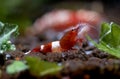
(60, 20)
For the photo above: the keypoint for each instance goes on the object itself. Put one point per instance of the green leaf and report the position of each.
(109, 39)
(16, 67)
(40, 68)
(6, 31)
(104, 30)
(104, 47)
(110, 34)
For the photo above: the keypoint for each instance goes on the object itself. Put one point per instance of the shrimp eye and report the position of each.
(73, 29)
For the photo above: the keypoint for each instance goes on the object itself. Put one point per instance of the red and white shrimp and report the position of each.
(60, 20)
(53, 23)
(64, 44)
(67, 42)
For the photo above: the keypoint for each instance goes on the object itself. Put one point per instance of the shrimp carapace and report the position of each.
(69, 39)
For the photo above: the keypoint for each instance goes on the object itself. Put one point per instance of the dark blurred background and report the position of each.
(25, 12)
